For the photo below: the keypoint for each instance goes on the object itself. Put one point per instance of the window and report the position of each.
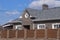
(41, 26)
(8, 26)
(26, 15)
(19, 27)
(27, 27)
(56, 25)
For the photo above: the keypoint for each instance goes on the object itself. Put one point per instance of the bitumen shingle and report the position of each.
(49, 14)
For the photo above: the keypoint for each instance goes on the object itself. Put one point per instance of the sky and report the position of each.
(12, 9)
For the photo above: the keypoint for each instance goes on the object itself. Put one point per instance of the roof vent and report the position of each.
(44, 6)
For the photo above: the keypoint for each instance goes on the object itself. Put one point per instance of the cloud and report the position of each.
(12, 12)
(38, 3)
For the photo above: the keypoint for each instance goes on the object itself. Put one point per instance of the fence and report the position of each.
(42, 34)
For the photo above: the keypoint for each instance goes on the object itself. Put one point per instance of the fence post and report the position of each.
(7, 34)
(16, 34)
(0, 34)
(57, 34)
(45, 34)
(25, 32)
(35, 34)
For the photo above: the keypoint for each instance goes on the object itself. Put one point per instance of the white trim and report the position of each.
(52, 26)
(19, 27)
(41, 28)
(6, 25)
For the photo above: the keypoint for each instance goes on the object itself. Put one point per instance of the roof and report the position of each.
(49, 14)
(41, 15)
(18, 20)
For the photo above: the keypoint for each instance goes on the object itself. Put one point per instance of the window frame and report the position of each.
(26, 15)
(41, 25)
(56, 25)
(17, 27)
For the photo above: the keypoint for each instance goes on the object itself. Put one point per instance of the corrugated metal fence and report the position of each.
(42, 34)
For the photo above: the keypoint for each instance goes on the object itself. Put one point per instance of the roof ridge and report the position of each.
(41, 9)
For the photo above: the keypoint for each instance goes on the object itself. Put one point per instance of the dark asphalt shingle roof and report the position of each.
(49, 14)
(15, 21)
(18, 20)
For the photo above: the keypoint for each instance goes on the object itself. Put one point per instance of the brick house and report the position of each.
(47, 18)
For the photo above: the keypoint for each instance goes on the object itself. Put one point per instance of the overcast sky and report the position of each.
(12, 9)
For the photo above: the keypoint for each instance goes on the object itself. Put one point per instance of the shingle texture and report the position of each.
(49, 14)
(18, 20)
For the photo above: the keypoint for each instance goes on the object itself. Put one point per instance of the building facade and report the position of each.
(47, 18)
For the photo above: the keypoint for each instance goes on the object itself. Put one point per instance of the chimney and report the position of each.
(44, 6)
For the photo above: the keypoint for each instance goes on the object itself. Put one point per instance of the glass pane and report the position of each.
(18, 27)
(55, 25)
(59, 26)
(41, 26)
